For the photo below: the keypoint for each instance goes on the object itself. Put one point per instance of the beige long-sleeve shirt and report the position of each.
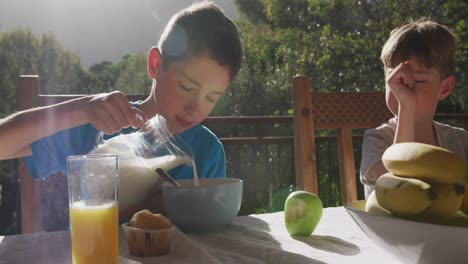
(377, 140)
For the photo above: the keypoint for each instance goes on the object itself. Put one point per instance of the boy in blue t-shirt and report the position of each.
(198, 55)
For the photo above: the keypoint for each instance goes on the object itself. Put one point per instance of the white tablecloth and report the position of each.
(250, 239)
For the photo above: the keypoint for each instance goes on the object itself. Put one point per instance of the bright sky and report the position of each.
(97, 29)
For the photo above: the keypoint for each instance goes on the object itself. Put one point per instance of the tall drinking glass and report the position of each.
(92, 186)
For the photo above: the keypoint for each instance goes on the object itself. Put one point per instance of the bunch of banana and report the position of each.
(373, 206)
(424, 182)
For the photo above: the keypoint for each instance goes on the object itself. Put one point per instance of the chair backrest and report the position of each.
(343, 111)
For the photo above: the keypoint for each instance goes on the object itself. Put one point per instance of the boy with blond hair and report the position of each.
(418, 61)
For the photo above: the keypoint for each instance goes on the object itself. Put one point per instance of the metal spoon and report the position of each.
(166, 176)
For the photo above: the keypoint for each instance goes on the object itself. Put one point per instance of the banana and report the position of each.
(446, 203)
(373, 206)
(403, 196)
(424, 161)
(464, 205)
(459, 219)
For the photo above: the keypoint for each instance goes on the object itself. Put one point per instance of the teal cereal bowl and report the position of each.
(209, 207)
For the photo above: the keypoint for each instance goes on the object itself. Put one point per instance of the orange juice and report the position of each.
(94, 232)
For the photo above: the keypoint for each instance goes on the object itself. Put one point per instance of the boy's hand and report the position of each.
(110, 112)
(401, 82)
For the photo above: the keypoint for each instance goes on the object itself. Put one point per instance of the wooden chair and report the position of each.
(332, 110)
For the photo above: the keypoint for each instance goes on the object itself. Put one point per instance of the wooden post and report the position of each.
(304, 144)
(30, 189)
(346, 164)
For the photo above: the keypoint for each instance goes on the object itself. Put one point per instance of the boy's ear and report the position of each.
(154, 62)
(447, 87)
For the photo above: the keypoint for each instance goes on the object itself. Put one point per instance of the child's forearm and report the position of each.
(19, 130)
(414, 127)
(406, 125)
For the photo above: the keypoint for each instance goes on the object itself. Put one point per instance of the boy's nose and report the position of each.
(191, 107)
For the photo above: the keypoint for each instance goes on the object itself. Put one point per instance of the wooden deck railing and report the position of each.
(259, 122)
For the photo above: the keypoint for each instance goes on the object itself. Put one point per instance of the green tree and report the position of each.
(133, 77)
(60, 71)
(19, 53)
(103, 76)
(337, 43)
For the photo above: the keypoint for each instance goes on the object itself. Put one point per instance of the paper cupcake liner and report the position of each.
(147, 243)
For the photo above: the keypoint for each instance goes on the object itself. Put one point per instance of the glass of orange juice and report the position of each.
(92, 188)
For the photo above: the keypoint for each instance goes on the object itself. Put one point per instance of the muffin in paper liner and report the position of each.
(148, 242)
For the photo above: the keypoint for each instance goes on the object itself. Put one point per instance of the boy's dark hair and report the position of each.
(431, 43)
(202, 29)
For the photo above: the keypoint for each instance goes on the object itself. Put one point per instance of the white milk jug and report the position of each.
(140, 153)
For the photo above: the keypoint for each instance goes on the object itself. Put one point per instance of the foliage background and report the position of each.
(336, 43)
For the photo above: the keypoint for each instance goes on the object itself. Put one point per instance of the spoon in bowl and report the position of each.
(166, 176)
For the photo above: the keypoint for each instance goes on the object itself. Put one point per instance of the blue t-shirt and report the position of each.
(49, 154)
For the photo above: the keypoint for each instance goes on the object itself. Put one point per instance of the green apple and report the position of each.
(302, 213)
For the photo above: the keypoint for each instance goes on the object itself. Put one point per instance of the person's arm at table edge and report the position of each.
(19, 130)
(107, 112)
